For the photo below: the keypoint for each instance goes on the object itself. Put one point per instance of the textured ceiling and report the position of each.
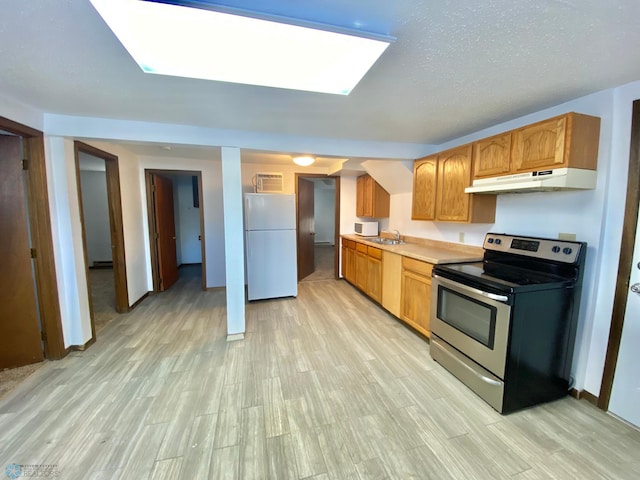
(456, 67)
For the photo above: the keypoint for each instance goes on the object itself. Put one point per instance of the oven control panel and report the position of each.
(543, 248)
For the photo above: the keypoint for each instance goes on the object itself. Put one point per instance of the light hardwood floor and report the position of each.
(325, 386)
(324, 266)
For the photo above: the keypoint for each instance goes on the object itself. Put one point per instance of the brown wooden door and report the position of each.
(165, 230)
(20, 341)
(306, 229)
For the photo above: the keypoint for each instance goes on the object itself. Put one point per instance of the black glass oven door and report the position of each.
(475, 318)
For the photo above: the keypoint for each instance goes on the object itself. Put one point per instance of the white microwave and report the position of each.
(366, 229)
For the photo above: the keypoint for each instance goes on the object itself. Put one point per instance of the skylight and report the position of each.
(191, 42)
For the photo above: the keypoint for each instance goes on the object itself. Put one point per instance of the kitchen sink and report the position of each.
(386, 241)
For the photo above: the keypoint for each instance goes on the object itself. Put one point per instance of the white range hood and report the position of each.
(540, 181)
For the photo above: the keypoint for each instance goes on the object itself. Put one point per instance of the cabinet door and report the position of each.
(350, 267)
(360, 196)
(540, 145)
(454, 175)
(416, 301)
(391, 282)
(367, 198)
(362, 261)
(374, 279)
(343, 260)
(491, 156)
(424, 188)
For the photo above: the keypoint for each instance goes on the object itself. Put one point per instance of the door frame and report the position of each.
(151, 217)
(116, 228)
(41, 237)
(625, 262)
(336, 230)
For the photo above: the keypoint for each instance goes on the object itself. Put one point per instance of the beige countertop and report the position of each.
(432, 251)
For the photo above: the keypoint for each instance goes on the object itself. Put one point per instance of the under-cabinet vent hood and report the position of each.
(540, 181)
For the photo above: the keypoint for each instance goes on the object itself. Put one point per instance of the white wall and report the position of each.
(249, 171)
(66, 231)
(324, 213)
(95, 207)
(13, 110)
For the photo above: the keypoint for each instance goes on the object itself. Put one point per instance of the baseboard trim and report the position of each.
(234, 337)
(215, 289)
(139, 301)
(81, 348)
(583, 394)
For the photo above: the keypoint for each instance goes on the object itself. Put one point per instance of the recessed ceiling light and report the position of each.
(197, 43)
(303, 161)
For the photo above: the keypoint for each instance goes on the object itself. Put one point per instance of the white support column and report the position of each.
(233, 241)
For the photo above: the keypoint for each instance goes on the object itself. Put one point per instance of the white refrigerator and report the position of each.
(270, 239)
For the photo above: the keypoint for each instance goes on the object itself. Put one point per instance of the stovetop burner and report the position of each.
(500, 277)
(520, 263)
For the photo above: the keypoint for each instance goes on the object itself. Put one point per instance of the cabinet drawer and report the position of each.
(349, 243)
(361, 247)
(374, 252)
(417, 266)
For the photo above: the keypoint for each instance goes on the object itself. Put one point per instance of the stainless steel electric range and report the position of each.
(506, 327)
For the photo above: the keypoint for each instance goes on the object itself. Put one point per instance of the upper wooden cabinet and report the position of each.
(491, 156)
(454, 175)
(371, 199)
(425, 180)
(438, 189)
(569, 140)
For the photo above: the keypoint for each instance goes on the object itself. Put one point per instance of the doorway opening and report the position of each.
(176, 227)
(98, 182)
(627, 270)
(30, 321)
(318, 226)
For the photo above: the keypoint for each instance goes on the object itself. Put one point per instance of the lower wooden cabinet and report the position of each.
(374, 273)
(391, 282)
(349, 260)
(416, 294)
(402, 285)
(362, 263)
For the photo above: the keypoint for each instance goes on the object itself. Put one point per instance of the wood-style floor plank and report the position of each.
(324, 386)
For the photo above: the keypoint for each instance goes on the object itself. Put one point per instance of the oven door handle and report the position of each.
(492, 296)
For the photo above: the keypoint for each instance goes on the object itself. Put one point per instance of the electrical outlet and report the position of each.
(461, 237)
(567, 236)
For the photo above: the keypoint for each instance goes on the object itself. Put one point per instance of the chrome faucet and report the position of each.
(397, 235)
